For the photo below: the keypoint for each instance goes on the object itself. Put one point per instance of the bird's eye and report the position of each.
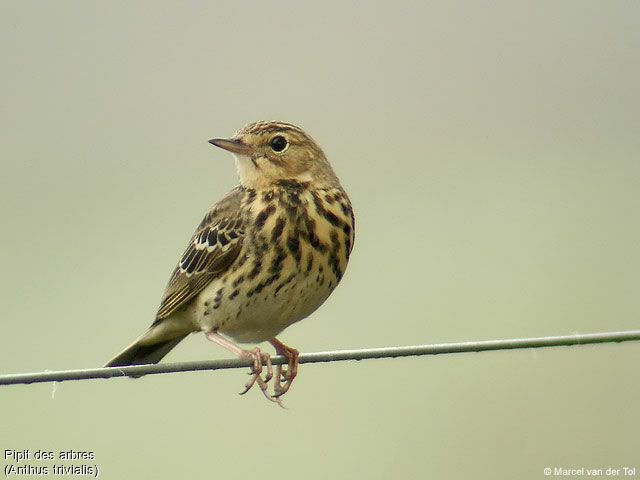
(278, 143)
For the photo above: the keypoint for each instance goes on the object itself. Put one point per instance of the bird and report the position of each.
(265, 256)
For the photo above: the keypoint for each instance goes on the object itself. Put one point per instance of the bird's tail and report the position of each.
(151, 346)
(139, 354)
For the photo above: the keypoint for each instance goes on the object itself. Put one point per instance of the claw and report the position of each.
(260, 360)
(285, 375)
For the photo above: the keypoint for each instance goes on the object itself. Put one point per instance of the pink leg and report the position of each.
(292, 367)
(258, 358)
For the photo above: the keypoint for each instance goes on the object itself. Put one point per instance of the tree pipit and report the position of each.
(264, 257)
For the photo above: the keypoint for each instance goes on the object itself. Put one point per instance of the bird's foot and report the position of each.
(261, 361)
(284, 375)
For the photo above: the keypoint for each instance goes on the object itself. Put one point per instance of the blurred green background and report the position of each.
(491, 151)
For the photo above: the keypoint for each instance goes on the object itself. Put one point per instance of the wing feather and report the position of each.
(214, 247)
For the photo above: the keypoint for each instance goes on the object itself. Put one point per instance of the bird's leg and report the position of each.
(292, 367)
(258, 358)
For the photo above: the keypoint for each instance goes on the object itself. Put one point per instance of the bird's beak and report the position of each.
(232, 145)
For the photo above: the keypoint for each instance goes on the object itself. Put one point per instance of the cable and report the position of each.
(330, 356)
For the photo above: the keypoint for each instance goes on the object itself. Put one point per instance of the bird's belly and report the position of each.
(253, 312)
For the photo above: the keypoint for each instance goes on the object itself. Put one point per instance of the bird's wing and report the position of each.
(214, 246)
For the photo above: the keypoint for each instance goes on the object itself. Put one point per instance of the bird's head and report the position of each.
(268, 152)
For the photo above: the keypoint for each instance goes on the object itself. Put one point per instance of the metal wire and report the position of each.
(331, 356)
